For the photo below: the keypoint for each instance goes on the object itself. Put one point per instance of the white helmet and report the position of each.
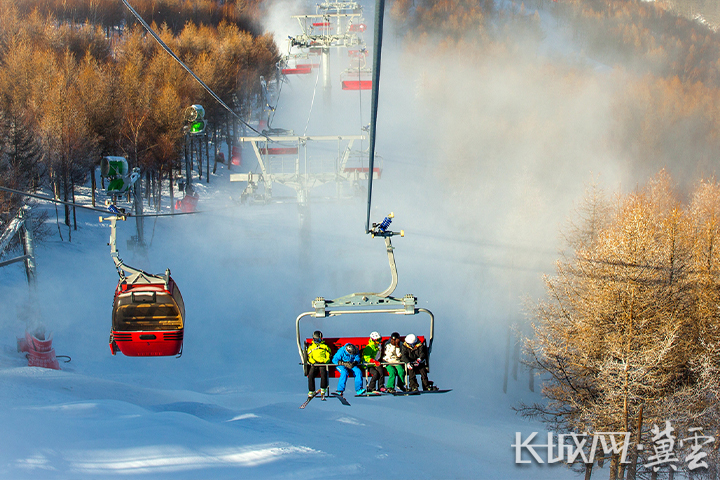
(411, 339)
(375, 336)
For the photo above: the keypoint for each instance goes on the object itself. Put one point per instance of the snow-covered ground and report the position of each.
(228, 408)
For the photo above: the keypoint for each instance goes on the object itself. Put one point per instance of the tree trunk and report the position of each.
(229, 141)
(507, 360)
(66, 197)
(159, 189)
(588, 470)
(638, 434)
(215, 147)
(153, 183)
(172, 186)
(516, 359)
(74, 212)
(93, 183)
(199, 157)
(614, 460)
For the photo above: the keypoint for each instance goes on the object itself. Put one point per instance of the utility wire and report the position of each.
(172, 54)
(56, 201)
(312, 102)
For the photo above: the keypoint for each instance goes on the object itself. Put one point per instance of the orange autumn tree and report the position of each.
(630, 330)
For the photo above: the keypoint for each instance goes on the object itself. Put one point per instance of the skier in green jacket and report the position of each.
(372, 355)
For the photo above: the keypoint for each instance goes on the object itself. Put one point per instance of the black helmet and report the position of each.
(351, 349)
(317, 336)
(394, 335)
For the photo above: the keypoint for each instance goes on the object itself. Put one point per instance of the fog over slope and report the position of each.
(484, 155)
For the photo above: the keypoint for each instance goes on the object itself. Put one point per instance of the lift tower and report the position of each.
(329, 30)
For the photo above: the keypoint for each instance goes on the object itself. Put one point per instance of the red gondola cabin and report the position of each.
(148, 318)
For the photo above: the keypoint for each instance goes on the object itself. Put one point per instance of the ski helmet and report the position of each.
(375, 336)
(394, 335)
(317, 336)
(411, 339)
(351, 349)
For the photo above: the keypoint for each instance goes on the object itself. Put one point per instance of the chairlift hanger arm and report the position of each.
(120, 266)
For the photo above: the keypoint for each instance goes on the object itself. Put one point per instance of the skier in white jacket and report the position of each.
(391, 355)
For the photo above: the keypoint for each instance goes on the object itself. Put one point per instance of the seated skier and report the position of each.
(391, 357)
(318, 353)
(414, 355)
(371, 357)
(347, 359)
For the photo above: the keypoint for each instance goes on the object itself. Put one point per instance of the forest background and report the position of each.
(81, 79)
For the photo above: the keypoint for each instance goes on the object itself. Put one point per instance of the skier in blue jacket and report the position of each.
(347, 358)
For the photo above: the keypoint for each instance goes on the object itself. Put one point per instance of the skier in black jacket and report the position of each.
(414, 354)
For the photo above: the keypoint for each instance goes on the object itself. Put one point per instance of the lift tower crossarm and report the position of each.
(339, 6)
(326, 39)
(328, 15)
(306, 171)
(296, 138)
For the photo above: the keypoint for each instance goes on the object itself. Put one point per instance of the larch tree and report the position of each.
(70, 144)
(625, 334)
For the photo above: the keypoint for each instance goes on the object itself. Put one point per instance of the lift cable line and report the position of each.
(177, 59)
(78, 205)
(379, 15)
(312, 102)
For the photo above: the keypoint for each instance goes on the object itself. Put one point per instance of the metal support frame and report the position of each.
(329, 6)
(358, 303)
(22, 224)
(299, 172)
(134, 276)
(342, 37)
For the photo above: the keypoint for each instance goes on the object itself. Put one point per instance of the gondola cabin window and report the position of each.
(147, 311)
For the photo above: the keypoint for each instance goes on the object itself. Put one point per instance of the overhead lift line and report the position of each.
(177, 59)
(379, 15)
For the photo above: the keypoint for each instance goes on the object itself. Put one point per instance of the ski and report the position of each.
(310, 398)
(342, 399)
(371, 394)
(419, 392)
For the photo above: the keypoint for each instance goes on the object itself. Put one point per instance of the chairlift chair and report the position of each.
(356, 79)
(296, 65)
(359, 75)
(368, 303)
